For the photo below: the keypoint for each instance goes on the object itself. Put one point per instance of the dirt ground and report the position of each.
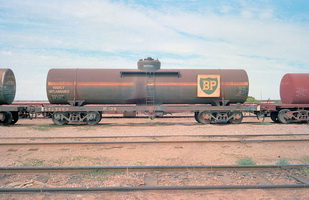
(249, 194)
(185, 154)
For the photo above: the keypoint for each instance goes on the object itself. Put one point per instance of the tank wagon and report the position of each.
(294, 93)
(8, 114)
(7, 86)
(213, 95)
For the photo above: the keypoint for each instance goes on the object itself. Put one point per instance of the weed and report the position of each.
(304, 160)
(101, 174)
(32, 162)
(155, 124)
(64, 160)
(44, 127)
(245, 161)
(304, 171)
(265, 123)
(283, 161)
(79, 158)
(104, 172)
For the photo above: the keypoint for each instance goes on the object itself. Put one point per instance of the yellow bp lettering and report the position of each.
(208, 85)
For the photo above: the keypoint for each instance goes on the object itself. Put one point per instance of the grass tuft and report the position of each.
(101, 174)
(304, 160)
(304, 171)
(245, 161)
(283, 161)
(44, 127)
(32, 162)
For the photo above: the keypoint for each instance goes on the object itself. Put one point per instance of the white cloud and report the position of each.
(266, 14)
(226, 9)
(247, 14)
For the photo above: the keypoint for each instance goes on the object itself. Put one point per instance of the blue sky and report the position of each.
(266, 38)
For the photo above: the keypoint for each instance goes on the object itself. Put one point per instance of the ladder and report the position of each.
(150, 89)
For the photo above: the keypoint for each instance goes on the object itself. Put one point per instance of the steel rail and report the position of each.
(150, 142)
(158, 136)
(152, 167)
(206, 187)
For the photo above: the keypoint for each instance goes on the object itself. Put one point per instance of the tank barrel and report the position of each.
(146, 85)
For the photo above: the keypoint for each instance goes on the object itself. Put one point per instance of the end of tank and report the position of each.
(7, 86)
(47, 80)
(294, 88)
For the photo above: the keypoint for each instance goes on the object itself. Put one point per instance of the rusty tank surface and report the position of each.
(147, 85)
(7, 86)
(294, 88)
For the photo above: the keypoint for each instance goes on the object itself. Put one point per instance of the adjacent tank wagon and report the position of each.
(8, 115)
(7, 86)
(294, 93)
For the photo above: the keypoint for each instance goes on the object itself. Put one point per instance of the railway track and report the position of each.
(165, 136)
(141, 178)
(101, 140)
(168, 150)
(152, 142)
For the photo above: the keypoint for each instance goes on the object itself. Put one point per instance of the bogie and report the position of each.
(91, 117)
(207, 117)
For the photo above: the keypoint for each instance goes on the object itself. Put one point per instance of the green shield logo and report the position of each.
(209, 85)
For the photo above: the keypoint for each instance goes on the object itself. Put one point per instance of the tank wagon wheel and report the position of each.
(237, 118)
(274, 117)
(7, 118)
(204, 117)
(15, 117)
(196, 117)
(60, 118)
(93, 118)
(283, 117)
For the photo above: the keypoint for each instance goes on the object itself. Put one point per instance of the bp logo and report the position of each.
(208, 85)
